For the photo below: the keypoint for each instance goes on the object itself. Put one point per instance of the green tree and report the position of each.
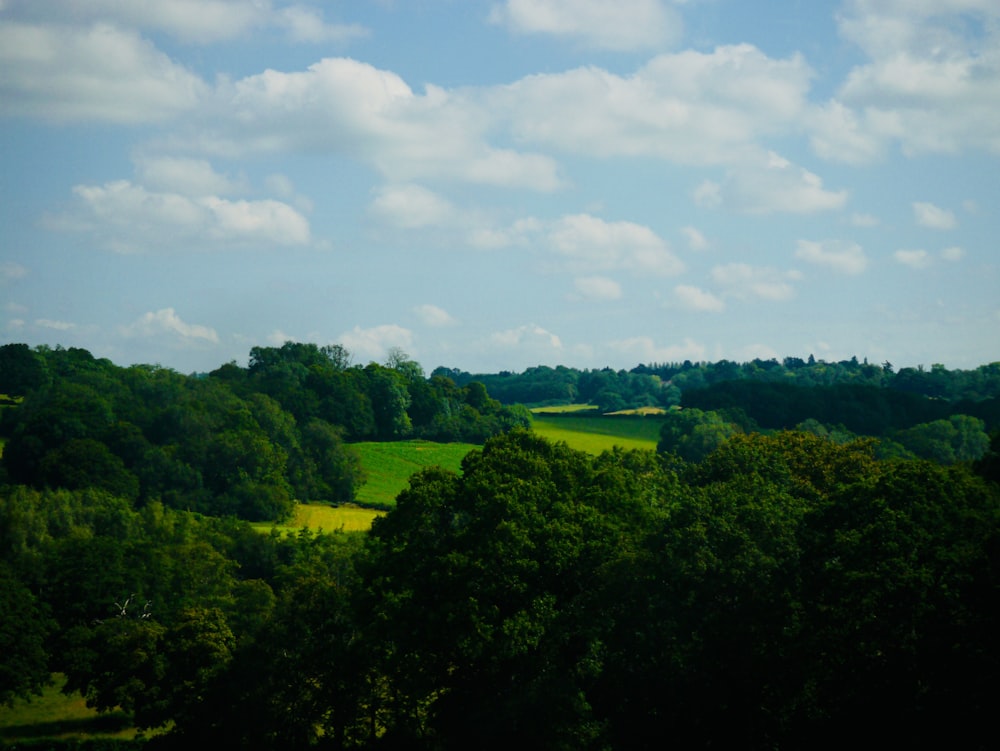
(24, 629)
(390, 400)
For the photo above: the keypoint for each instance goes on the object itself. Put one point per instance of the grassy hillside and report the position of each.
(320, 517)
(56, 715)
(389, 466)
(595, 434)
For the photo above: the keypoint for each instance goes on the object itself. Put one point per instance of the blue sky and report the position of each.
(495, 185)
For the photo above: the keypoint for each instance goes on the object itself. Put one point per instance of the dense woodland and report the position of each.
(768, 578)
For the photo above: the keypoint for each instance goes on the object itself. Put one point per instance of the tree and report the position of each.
(21, 370)
(24, 628)
(693, 434)
(480, 585)
(389, 399)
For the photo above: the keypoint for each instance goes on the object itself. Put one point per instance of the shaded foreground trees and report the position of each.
(786, 592)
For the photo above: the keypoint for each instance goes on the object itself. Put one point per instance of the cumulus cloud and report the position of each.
(697, 299)
(130, 218)
(864, 220)
(643, 349)
(530, 336)
(840, 134)
(193, 21)
(745, 282)
(186, 176)
(932, 82)
(166, 323)
(99, 73)
(769, 185)
(411, 206)
(589, 244)
(690, 107)
(11, 271)
(915, 259)
(933, 217)
(623, 25)
(47, 323)
(695, 239)
(845, 257)
(373, 343)
(344, 106)
(432, 315)
(597, 288)
(954, 253)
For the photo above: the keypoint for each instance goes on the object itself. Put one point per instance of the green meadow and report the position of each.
(320, 517)
(388, 466)
(55, 715)
(595, 434)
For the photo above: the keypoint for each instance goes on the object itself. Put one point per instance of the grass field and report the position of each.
(56, 715)
(389, 466)
(564, 408)
(596, 434)
(322, 518)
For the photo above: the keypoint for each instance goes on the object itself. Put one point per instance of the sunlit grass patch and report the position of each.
(389, 465)
(597, 434)
(58, 715)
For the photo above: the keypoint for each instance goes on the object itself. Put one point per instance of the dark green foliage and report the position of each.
(22, 370)
(24, 629)
(738, 590)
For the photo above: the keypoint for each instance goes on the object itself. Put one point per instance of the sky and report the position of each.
(498, 184)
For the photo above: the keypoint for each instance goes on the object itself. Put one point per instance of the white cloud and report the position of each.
(97, 73)
(840, 134)
(590, 244)
(933, 80)
(689, 107)
(954, 253)
(597, 288)
(339, 105)
(166, 323)
(129, 218)
(622, 25)
(189, 177)
(411, 206)
(10, 271)
(845, 257)
(915, 259)
(46, 323)
(530, 336)
(432, 315)
(696, 240)
(746, 282)
(934, 217)
(373, 343)
(769, 185)
(193, 21)
(864, 220)
(305, 24)
(695, 298)
(644, 350)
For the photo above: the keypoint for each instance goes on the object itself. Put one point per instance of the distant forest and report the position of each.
(746, 585)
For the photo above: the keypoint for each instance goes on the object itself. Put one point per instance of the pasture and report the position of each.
(319, 517)
(388, 466)
(595, 434)
(55, 715)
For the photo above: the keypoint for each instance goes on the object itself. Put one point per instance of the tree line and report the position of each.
(663, 384)
(785, 592)
(772, 589)
(244, 441)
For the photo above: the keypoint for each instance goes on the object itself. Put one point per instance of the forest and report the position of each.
(810, 557)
